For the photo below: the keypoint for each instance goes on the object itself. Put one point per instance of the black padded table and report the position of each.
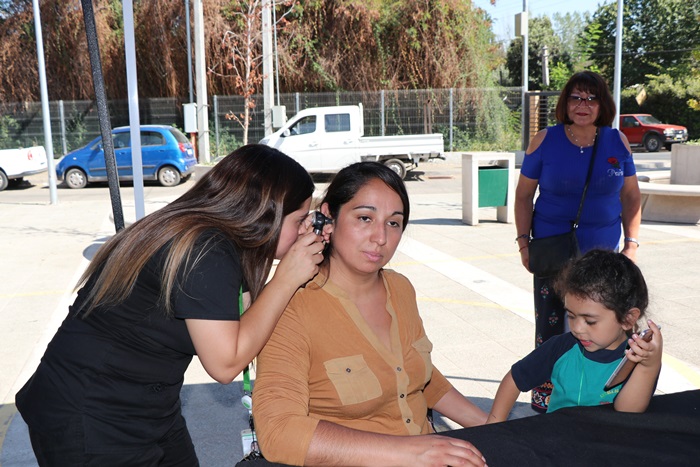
(667, 434)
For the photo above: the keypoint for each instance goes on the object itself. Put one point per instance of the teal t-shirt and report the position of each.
(578, 376)
(578, 380)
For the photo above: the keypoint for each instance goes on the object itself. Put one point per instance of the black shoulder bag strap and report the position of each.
(588, 179)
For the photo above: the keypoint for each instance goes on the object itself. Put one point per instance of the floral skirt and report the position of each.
(550, 320)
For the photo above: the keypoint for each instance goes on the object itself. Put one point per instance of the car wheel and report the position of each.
(3, 180)
(76, 178)
(169, 176)
(652, 143)
(397, 166)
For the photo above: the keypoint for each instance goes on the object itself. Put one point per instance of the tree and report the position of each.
(323, 45)
(658, 37)
(568, 28)
(541, 34)
(380, 44)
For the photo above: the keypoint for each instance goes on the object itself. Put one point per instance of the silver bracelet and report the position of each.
(632, 240)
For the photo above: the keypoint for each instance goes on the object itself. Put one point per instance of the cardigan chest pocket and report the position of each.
(353, 379)
(423, 346)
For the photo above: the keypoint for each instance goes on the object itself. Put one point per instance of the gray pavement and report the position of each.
(474, 296)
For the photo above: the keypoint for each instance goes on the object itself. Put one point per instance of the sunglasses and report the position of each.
(590, 100)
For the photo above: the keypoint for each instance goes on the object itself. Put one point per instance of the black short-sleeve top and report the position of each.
(121, 368)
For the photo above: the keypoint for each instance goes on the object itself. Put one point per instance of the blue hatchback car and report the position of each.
(167, 156)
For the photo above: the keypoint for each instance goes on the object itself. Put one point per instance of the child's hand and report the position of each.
(647, 354)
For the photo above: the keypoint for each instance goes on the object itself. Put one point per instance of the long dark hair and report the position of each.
(592, 83)
(351, 179)
(245, 196)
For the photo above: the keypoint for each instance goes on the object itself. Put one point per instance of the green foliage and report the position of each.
(658, 37)
(559, 74)
(541, 34)
(8, 128)
(667, 99)
(568, 28)
(76, 131)
(494, 127)
(227, 143)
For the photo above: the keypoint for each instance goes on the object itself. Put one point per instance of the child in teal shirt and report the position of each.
(604, 295)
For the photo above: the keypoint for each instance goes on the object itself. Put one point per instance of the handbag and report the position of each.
(548, 255)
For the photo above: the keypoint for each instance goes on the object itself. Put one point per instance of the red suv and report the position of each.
(645, 130)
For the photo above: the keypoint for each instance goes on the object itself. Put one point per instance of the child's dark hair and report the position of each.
(606, 277)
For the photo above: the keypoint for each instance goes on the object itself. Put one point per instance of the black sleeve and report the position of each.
(210, 289)
(537, 366)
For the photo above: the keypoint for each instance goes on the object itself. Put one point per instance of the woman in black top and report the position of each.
(107, 391)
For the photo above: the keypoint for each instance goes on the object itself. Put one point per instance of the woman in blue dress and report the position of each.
(556, 162)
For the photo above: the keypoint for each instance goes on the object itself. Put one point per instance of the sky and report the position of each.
(503, 14)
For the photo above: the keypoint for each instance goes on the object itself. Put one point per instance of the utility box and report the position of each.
(279, 116)
(189, 112)
(488, 180)
(521, 28)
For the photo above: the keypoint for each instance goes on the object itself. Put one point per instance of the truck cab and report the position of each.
(645, 130)
(320, 138)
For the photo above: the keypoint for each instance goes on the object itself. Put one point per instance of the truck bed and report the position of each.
(431, 145)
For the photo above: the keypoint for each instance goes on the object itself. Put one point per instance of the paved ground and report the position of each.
(474, 295)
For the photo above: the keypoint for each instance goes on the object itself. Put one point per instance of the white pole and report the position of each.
(268, 83)
(45, 115)
(189, 49)
(525, 75)
(277, 60)
(618, 64)
(201, 77)
(134, 120)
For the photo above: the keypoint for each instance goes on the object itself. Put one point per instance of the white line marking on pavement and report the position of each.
(505, 294)
(680, 230)
(676, 375)
(57, 317)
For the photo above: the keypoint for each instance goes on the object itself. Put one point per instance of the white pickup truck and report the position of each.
(15, 164)
(326, 139)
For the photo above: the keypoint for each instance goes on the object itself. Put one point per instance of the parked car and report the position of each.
(167, 156)
(15, 164)
(326, 139)
(645, 130)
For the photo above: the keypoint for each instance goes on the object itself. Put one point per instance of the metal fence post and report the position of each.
(383, 118)
(62, 120)
(526, 120)
(216, 123)
(451, 115)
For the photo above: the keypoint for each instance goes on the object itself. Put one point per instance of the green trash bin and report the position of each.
(493, 186)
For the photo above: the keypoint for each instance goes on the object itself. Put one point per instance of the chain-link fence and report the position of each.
(469, 119)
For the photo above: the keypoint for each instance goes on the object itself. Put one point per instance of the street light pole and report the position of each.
(202, 100)
(46, 117)
(189, 48)
(268, 83)
(618, 65)
(521, 25)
